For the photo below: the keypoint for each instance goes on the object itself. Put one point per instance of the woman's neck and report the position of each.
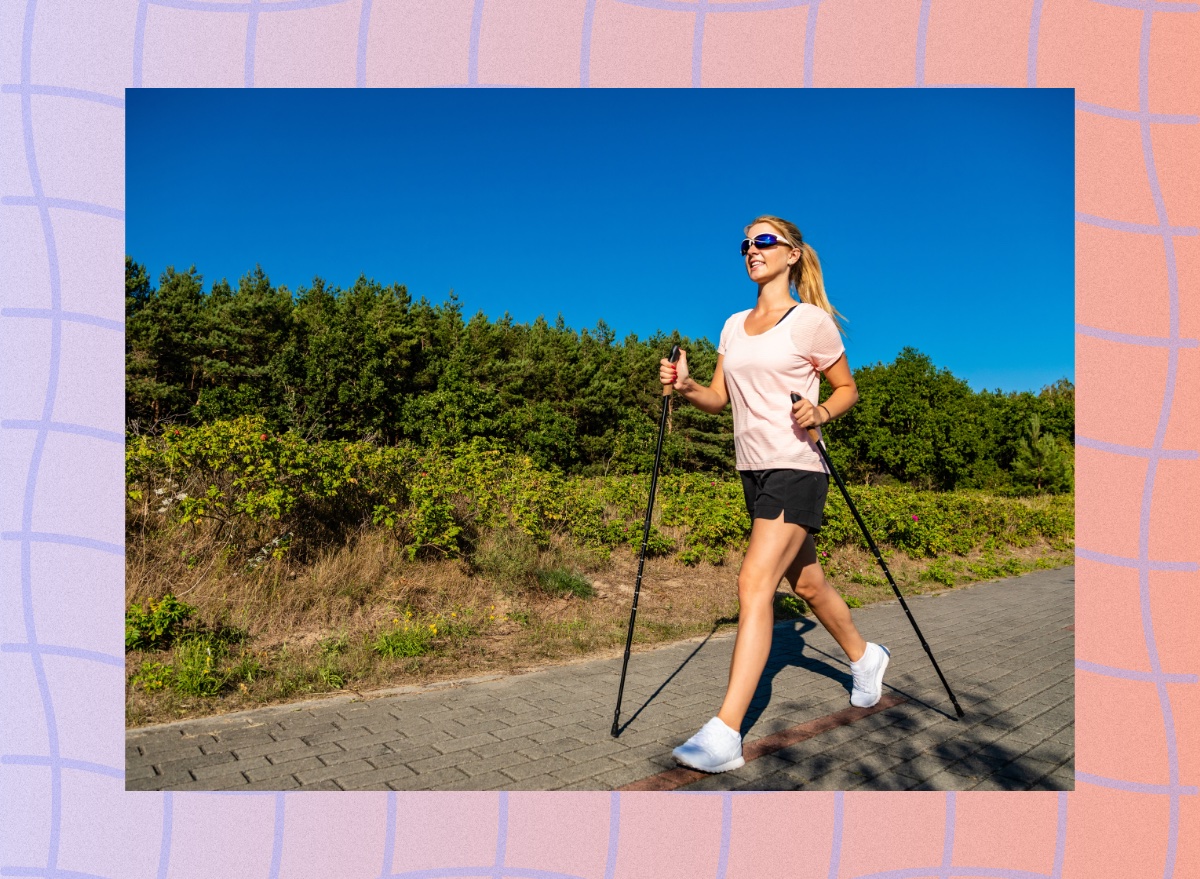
(774, 295)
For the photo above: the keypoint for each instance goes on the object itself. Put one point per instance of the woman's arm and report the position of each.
(844, 395)
(710, 399)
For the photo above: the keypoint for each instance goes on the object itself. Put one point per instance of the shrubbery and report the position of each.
(274, 493)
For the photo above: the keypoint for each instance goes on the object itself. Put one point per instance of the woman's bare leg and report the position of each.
(774, 544)
(808, 581)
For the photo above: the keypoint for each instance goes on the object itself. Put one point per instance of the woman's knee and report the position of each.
(810, 584)
(753, 589)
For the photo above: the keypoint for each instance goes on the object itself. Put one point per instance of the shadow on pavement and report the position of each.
(663, 685)
(787, 650)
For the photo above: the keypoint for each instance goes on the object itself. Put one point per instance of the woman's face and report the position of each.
(767, 263)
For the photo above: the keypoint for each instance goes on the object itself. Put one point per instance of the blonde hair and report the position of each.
(805, 275)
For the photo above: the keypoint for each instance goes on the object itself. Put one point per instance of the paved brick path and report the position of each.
(1006, 647)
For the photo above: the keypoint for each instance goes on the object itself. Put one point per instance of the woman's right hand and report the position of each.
(674, 374)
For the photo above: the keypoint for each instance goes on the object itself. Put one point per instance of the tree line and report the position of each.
(369, 361)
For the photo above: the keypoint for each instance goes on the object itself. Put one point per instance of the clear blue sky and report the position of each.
(943, 217)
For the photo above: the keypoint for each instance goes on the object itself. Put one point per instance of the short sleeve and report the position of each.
(817, 338)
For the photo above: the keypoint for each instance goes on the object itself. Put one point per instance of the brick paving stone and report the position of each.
(1062, 778)
(139, 771)
(436, 780)
(992, 782)
(269, 748)
(168, 767)
(497, 749)
(366, 753)
(1026, 771)
(376, 779)
(284, 769)
(335, 734)
(838, 779)
(1048, 751)
(233, 740)
(160, 751)
(281, 783)
(296, 755)
(606, 747)
(589, 769)
(304, 723)
(315, 775)
(225, 780)
(486, 781)
(920, 767)
(639, 755)
(538, 766)
(361, 738)
(981, 764)
(872, 765)
(778, 781)
(159, 782)
(406, 752)
(220, 769)
(432, 764)
(232, 783)
(943, 780)
(452, 746)
(522, 730)
(490, 764)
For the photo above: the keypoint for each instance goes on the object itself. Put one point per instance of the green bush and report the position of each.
(252, 487)
(157, 624)
(789, 607)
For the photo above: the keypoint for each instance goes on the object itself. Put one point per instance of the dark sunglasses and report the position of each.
(762, 241)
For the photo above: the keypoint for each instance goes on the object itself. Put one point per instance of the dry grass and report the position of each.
(309, 630)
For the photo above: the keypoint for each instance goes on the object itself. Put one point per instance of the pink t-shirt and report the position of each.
(762, 371)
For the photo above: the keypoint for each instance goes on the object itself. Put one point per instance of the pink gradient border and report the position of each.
(62, 81)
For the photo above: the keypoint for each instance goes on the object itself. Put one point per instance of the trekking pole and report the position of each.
(662, 428)
(815, 437)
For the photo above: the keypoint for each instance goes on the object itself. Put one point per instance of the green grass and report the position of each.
(405, 640)
(559, 581)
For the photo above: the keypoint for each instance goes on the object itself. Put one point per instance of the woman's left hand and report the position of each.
(806, 414)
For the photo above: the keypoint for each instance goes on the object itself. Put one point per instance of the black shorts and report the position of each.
(798, 494)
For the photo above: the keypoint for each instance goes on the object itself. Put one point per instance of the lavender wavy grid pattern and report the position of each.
(42, 427)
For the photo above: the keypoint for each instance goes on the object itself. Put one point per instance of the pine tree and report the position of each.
(1041, 464)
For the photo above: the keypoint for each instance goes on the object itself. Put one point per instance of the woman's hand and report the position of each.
(807, 415)
(674, 374)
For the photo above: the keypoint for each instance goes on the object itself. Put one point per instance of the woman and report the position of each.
(778, 347)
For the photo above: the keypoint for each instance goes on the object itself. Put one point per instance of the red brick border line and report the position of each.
(678, 777)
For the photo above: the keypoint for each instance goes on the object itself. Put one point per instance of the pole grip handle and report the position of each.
(673, 357)
(812, 431)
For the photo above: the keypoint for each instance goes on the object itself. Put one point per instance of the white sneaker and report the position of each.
(716, 748)
(868, 676)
